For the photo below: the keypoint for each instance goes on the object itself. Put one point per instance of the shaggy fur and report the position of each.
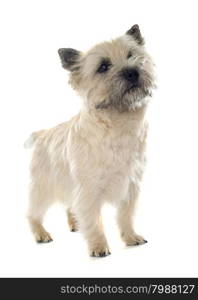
(99, 155)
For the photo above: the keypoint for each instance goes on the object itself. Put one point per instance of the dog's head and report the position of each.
(112, 75)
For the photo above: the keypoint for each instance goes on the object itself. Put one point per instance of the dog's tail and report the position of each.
(29, 143)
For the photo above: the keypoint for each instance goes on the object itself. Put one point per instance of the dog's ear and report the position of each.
(69, 58)
(134, 31)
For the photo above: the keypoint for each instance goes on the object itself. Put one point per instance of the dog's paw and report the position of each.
(72, 222)
(134, 240)
(101, 251)
(73, 229)
(43, 237)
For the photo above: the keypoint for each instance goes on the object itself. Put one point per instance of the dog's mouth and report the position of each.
(130, 96)
(138, 89)
(131, 89)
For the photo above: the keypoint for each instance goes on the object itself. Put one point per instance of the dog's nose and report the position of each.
(131, 75)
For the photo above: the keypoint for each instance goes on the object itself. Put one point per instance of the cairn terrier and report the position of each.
(99, 155)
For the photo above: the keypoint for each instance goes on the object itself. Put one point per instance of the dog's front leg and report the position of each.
(90, 223)
(125, 215)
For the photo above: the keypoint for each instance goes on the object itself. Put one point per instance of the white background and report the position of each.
(34, 94)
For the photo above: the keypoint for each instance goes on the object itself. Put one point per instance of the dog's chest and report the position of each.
(120, 155)
(117, 152)
(108, 160)
(119, 161)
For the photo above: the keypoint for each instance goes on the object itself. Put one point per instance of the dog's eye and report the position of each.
(104, 67)
(129, 55)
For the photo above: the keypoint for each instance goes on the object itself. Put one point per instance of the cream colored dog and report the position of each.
(99, 155)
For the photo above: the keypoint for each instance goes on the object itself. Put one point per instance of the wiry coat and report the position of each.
(98, 156)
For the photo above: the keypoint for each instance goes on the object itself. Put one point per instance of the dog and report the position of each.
(99, 155)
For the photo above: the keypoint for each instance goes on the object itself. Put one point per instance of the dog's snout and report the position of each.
(131, 74)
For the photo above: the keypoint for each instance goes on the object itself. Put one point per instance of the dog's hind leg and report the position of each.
(38, 205)
(72, 222)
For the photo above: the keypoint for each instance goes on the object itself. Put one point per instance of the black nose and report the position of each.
(131, 75)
